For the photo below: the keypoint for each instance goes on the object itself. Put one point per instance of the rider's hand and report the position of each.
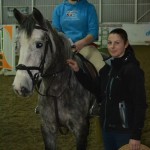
(134, 144)
(83, 42)
(79, 45)
(73, 65)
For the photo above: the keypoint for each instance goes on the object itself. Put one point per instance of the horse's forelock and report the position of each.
(28, 25)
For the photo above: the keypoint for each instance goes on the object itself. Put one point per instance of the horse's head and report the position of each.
(34, 42)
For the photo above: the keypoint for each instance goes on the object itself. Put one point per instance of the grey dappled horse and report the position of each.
(62, 100)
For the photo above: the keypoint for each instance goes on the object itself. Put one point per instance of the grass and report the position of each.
(20, 126)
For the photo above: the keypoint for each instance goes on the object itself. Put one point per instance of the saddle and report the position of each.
(87, 66)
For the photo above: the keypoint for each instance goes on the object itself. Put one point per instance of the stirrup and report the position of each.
(95, 110)
(37, 111)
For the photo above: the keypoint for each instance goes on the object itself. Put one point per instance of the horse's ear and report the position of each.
(38, 16)
(19, 16)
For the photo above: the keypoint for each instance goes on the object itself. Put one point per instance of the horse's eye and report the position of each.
(39, 45)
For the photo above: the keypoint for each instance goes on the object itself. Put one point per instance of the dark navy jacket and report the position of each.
(120, 90)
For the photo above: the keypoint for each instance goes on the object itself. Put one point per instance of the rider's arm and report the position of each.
(83, 42)
(92, 31)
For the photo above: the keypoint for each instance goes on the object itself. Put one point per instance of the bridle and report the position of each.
(41, 74)
(36, 76)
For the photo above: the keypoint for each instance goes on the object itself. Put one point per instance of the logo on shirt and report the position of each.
(72, 14)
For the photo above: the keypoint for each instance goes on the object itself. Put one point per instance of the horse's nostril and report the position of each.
(24, 90)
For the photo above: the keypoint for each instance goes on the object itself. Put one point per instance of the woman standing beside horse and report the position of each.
(121, 92)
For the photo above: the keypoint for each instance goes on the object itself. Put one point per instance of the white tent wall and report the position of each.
(131, 15)
(110, 12)
(138, 34)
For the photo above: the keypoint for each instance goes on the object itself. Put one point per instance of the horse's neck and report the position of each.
(58, 83)
(56, 65)
(61, 52)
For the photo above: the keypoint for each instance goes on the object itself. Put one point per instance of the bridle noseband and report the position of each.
(36, 76)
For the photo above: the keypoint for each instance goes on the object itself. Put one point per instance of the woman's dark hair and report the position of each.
(120, 32)
(123, 34)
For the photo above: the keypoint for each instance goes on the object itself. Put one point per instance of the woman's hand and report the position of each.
(73, 65)
(134, 144)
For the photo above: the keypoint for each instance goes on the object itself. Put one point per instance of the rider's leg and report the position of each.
(91, 53)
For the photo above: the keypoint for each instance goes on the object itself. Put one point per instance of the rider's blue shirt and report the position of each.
(77, 20)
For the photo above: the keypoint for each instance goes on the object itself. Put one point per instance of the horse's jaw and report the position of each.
(22, 84)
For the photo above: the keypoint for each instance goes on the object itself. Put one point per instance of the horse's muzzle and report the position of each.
(24, 92)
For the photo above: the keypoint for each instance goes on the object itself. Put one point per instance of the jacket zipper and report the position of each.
(110, 87)
(107, 95)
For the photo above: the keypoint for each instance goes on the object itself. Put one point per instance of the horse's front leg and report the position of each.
(49, 137)
(81, 133)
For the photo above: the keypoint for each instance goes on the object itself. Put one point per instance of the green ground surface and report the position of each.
(20, 126)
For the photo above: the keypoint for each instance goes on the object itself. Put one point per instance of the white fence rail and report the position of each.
(7, 53)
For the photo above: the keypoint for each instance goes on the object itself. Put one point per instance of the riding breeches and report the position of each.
(92, 54)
